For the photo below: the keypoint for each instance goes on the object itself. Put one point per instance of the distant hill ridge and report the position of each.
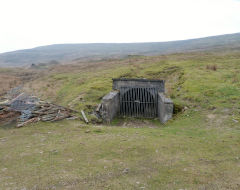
(70, 52)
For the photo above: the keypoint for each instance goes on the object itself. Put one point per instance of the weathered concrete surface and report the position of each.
(159, 85)
(165, 108)
(110, 106)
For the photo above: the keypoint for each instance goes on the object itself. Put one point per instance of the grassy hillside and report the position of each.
(197, 149)
(72, 52)
(188, 79)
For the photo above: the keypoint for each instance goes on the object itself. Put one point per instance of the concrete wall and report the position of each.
(139, 83)
(165, 108)
(110, 106)
(111, 102)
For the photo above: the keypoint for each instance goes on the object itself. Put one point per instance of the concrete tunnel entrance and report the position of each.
(137, 98)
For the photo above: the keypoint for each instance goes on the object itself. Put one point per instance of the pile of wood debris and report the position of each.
(29, 109)
(7, 115)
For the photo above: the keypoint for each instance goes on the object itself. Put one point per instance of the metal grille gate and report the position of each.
(138, 102)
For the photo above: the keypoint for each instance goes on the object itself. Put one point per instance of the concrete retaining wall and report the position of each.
(110, 106)
(165, 108)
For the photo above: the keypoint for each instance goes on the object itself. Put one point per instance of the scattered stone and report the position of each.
(126, 170)
(234, 120)
(211, 116)
(3, 139)
(4, 169)
(54, 151)
(87, 131)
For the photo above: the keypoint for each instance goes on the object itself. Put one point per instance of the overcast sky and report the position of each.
(31, 23)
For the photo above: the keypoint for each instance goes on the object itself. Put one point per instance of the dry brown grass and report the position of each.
(7, 82)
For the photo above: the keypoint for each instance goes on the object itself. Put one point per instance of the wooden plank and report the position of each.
(84, 116)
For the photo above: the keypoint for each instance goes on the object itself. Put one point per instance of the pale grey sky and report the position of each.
(31, 23)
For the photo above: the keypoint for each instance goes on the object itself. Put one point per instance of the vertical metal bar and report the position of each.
(134, 103)
(148, 103)
(125, 98)
(138, 105)
(138, 102)
(130, 102)
(142, 102)
(151, 100)
(120, 95)
(123, 101)
(123, 107)
(153, 97)
(128, 98)
(155, 102)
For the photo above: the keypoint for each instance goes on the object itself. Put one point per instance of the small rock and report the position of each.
(87, 131)
(54, 151)
(126, 170)
(236, 121)
(4, 169)
(70, 160)
(138, 182)
(3, 139)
